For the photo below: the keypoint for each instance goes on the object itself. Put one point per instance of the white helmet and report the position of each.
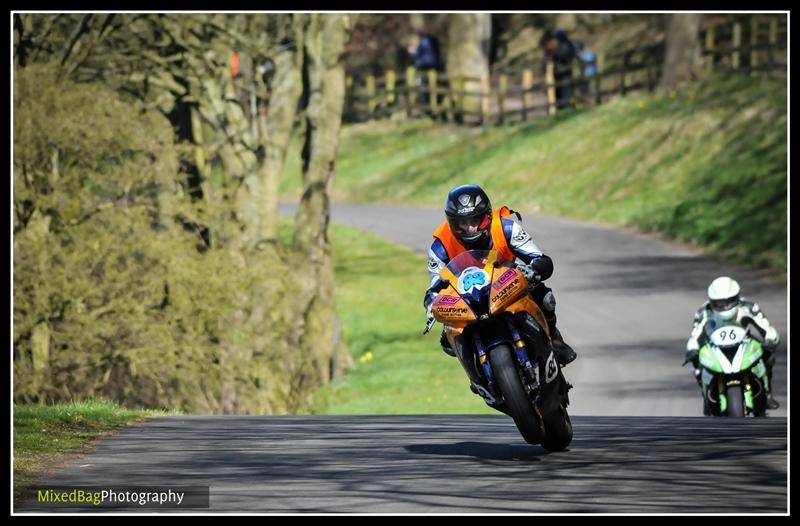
(723, 296)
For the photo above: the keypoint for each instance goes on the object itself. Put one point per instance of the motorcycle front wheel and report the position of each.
(735, 398)
(558, 430)
(520, 406)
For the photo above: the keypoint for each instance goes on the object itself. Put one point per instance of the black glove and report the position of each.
(691, 356)
(530, 274)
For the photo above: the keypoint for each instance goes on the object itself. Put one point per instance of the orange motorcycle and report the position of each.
(502, 340)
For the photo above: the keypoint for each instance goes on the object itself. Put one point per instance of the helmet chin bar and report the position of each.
(472, 244)
(726, 315)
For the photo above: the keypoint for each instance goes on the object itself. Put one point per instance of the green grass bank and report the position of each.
(706, 165)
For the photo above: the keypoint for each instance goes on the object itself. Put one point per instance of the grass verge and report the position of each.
(397, 370)
(45, 436)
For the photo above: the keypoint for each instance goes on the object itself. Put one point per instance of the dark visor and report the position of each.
(722, 305)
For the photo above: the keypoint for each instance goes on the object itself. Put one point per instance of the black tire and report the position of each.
(759, 399)
(558, 430)
(735, 401)
(519, 405)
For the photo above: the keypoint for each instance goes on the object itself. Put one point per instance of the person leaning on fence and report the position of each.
(425, 53)
(558, 48)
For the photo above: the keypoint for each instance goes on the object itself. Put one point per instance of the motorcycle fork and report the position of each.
(748, 393)
(483, 358)
(522, 354)
(723, 398)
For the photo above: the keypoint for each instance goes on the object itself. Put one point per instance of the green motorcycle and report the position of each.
(733, 375)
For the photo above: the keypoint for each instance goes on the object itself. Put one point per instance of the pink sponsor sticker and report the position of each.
(507, 276)
(443, 301)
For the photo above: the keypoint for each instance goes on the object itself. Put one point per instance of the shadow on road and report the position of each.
(480, 450)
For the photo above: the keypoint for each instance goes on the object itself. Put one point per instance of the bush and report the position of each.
(113, 299)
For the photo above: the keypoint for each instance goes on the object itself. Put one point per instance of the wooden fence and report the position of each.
(754, 44)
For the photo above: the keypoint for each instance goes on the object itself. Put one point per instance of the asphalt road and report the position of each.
(625, 303)
(449, 464)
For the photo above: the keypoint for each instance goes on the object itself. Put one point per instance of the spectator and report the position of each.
(558, 48)
(425, 52)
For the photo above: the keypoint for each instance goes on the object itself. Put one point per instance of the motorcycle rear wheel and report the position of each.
(520, 406)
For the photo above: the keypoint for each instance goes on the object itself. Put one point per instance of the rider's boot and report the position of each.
(771, 402)
(769, 361)
(563, 352)
(706, 408)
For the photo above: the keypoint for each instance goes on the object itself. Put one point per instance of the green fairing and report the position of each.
(708, 360)
(752, 354)
(759, 370)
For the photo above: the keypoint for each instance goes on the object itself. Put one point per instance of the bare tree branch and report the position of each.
(79, 30)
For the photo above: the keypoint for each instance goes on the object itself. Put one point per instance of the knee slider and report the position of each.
(549, 302)
(769, 359)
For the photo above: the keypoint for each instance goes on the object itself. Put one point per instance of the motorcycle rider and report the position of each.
(471, 224)
(725, 305)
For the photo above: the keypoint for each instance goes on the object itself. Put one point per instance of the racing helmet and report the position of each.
(723, 297)
(469, 214)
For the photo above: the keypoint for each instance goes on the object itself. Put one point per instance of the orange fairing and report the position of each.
(450, 308)
(525, 303)
(508, 284)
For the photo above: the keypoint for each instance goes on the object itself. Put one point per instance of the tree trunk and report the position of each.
(682, 55)
(416, 22)
(323, 75)
(276, 126)
(566, 21)
(469, 38)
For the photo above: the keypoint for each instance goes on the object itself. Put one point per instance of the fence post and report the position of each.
(550, 85)
(624, 73)
(348, 95)
(527, 84)
(773, 41)
(485, 92)
(502, 88)
(598, 75)
(433, 92)
(390, 83)
(458, 87)
(576, 74)
(753, 43)
(710, 55)
(371, 100)
(737, 43)
(411, 90)
(448, 103)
